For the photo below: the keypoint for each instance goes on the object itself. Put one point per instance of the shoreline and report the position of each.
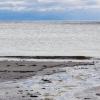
(21, 69)
(49, 57)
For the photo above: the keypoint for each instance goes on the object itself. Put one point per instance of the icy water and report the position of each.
(44, 38)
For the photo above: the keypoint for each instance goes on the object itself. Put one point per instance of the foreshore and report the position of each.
(72, 78)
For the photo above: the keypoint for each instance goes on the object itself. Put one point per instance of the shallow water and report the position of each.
(41, 38)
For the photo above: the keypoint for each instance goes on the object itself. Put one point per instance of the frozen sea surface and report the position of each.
(42, 38)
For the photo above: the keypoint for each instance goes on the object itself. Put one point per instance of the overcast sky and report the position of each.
(50, 9)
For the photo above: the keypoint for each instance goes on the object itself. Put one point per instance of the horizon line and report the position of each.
(64, 21)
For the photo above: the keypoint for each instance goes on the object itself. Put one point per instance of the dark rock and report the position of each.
(46, 80)
(87, 98)
(23, 96)
(43, 88)
(33, 65)
(98, 94)
(33, 95)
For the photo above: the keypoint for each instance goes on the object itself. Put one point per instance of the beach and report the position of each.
(50, 79)
(49, 60)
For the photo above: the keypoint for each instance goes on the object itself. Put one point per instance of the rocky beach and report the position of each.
(50, 79)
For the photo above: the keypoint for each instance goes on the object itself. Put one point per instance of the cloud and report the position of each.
(48, 5)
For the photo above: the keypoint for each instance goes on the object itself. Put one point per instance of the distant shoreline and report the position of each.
(53, 21)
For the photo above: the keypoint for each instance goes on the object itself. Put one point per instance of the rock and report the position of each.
(87, 98)
(98, 94)
(46, 80)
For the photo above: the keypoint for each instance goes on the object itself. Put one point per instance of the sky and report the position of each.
(49, 9)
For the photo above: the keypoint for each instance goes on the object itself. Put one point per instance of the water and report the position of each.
(44, 38)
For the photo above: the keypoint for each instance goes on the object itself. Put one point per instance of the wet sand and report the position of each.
(50, 80)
